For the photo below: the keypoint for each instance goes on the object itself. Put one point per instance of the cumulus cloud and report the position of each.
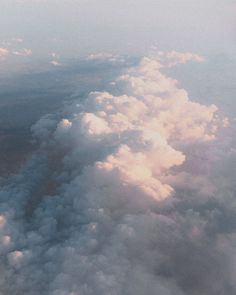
(114, 201)
(172, 58)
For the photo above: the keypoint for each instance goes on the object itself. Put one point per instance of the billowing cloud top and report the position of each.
(113, 202)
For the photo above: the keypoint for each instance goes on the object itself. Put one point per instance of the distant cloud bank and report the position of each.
(14, 47)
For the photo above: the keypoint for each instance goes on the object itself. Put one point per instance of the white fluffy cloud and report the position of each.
(101, 207)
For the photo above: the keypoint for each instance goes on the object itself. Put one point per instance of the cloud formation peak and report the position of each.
(109, 203)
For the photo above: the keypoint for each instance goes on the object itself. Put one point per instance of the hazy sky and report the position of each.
(80, 27)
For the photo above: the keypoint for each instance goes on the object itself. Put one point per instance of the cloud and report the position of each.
(114, 201)
(3, 52)
(55, 59)
(113, 58)
(23, 52)
(18, 40)
(170, 59)
(12, 49)
(55, 63)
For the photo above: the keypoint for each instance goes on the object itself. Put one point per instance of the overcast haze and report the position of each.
(79, 27)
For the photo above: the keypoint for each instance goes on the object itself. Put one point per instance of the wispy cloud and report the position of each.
(22, 52)
(55, 59)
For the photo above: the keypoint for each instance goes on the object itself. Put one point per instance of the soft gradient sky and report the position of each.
(81, 27)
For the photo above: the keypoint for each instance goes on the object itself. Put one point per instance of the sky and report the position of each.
(117, 147)
(81, 27)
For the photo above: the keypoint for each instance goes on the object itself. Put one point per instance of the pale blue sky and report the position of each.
(80, 27)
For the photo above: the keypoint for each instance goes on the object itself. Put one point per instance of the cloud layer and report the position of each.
(123, 196)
